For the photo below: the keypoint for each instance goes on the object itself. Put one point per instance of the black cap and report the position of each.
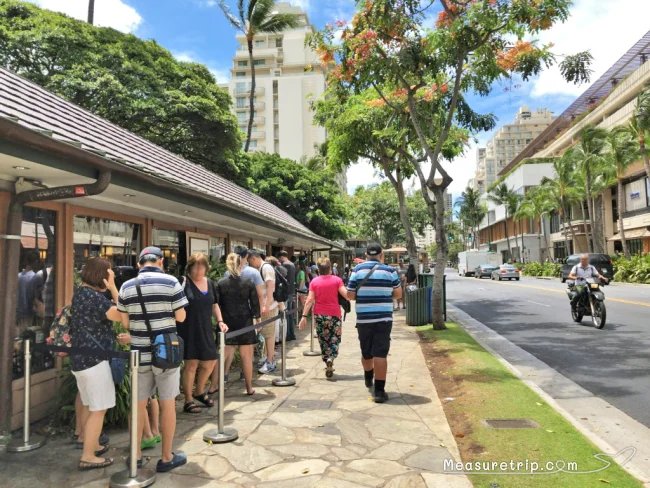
(374, 250)
(150, 253)
(242, 251)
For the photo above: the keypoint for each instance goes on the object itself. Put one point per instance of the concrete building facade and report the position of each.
(289, 76)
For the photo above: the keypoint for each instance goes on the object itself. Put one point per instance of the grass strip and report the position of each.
(474, 386)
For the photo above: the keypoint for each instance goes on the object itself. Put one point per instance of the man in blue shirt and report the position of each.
(374, 285)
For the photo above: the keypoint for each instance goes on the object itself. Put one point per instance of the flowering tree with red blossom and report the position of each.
(423, 69)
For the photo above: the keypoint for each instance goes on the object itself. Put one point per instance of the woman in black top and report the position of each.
(240, 306)
(91, 327)
(198, 337)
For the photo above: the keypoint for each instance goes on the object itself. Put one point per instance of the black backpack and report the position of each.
(281, 293)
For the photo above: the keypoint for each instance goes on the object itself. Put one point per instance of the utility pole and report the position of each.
(91, 11)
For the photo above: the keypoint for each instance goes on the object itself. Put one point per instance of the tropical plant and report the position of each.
(502, 195)
(640, 125)
(622, 150)
(471, 212)
(255, 17)
(636, 269)
(589, 154)
(535, 205)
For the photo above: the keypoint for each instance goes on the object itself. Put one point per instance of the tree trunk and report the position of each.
(91, 11)
(602, 242)
(572, 230)
(590, 208)
(411, 246)
(565, 231)
(442, 251)
(620, 201)
(251, 114)
(587, 231)
(642, 149)
(508, 253)
(542, 229)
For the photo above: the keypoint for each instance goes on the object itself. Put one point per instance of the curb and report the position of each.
(484, 335)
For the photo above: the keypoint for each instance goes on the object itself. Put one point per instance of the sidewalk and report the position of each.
(319, 433)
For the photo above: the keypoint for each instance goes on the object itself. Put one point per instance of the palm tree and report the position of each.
(622, 151)
(513, 208)
(641, 125)
(91, 11)
(502, 195)
(254, 17)
(590, 154)
(534, 206)
(472, 212)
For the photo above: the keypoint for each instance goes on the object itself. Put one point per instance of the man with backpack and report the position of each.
(270, 305)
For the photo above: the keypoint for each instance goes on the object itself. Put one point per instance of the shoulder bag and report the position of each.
(166, 347)
(118, 365)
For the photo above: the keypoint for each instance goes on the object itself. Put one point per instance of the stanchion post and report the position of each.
(311, 351)
(284, 381)
(28, 442)
(222, 434)
(133, 477)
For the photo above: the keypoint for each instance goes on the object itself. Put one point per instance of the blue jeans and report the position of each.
(291, 322)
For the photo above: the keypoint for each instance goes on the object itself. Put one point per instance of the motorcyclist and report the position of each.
(580, 273)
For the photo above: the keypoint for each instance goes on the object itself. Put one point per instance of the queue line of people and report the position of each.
(155, 303)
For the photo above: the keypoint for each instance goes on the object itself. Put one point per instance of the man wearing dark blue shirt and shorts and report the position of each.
(374, 285)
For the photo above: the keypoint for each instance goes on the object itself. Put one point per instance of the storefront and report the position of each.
(76, 187)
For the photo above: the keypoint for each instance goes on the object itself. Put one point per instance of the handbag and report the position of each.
(118, 365)
(60, 330)
(345, 304)
(166, 347)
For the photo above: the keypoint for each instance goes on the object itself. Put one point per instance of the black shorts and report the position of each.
(374, 339)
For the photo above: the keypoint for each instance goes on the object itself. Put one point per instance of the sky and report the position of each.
(196, 30)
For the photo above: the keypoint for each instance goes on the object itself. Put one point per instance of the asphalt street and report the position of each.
(534, 314)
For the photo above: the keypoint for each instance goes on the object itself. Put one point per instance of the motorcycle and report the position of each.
(590, 303)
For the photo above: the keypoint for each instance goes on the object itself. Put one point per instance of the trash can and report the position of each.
(419, 304)
(425, 279)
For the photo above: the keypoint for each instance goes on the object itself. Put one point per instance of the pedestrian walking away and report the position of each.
(197, 332)
(151, 304)
(240, 306)
(324, 294)
(269, 308)
(374, 285)
(283, 256)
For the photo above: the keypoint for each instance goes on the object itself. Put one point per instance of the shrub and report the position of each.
(633, 270)
(542, 269)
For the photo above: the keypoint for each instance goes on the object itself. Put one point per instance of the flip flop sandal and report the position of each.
(191, 407)
(177, 460)
(85, 466)
(205, 400)
(103, 450)
(148, 443)
(212, 392)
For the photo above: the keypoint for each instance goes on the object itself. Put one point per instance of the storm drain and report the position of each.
(511, 423)
(306, 405)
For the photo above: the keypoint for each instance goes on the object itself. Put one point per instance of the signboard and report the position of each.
(635, 195)
(199, 244)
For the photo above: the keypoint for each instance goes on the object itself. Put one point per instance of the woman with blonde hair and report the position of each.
(324, 291)
(240, 306)
(200, 349)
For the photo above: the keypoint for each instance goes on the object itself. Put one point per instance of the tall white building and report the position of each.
(289, 76)
(507, 143)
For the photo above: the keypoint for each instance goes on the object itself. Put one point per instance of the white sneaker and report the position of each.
(272, 366)
(267, 368)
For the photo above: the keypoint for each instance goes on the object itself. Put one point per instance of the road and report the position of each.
(534, 314)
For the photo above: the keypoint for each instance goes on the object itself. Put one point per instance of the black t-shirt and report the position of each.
(88, 319)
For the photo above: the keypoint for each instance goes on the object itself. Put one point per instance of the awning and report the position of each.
(632, 234)
(396, 249)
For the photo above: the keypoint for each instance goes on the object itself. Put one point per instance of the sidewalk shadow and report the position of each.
(410, 399)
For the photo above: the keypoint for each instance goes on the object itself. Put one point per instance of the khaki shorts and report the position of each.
(269, 330)
(96, 387)
(165, 381)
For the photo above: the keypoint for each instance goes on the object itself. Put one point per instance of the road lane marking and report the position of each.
(551, 290)
(537, 303)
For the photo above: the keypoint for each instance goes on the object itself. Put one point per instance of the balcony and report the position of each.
(259, 90)
(258, 107)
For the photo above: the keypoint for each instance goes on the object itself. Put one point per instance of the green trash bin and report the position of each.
(425, 279)
(419, 304)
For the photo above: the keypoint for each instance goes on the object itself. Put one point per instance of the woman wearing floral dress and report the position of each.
(324, 292)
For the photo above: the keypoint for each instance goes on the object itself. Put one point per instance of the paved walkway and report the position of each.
(320, 433)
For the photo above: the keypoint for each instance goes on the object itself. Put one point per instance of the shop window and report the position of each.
(234, 244)
(36, 294)
(173, 245)
(217, 250)
(635, 246)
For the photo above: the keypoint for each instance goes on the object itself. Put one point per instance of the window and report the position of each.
(234, 244)
(636, 195)
(119, 242)
(240, 74)
(36, 289)
(217, 250)
(242, 87)
(173, 245)
(242, 64)
(242, 102)
(635, 246)
(259, 62)
(278, 42)
(260, 43)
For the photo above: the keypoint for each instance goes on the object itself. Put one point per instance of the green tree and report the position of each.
(424, 72)
(374, 214)
(135, 84)
(640, 125)
(535, 205)
(471, 212)
(502, 195)
(255, 17)
(313, 198)
(621, 151)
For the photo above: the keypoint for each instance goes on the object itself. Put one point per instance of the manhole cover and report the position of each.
(511, 423)
(306, 405)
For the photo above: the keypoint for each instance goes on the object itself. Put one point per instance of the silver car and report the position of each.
(505, 271)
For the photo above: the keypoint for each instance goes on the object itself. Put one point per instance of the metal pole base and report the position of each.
(19, 445)
(144, 477)
(216, 437)
(310, 353)
(284, 382)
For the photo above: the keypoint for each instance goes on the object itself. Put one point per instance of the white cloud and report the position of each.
(303, 4)
(362, 173)
(222, 75)
(108, 13)
(462, 169)
(607, 29)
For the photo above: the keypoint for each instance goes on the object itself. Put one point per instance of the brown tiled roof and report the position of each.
(36, 108)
